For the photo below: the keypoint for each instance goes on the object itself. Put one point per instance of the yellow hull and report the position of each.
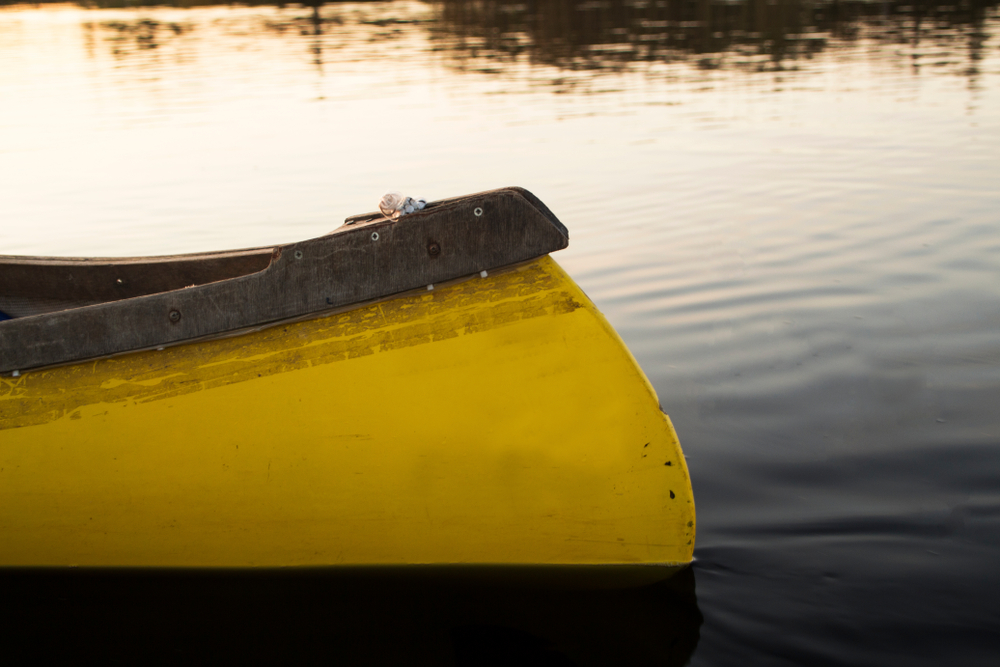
(490, 421)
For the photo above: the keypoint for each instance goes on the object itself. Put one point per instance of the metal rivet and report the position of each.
(175, 316)
(374, 236)
(478, 212)
(433, 249)
(298, 254)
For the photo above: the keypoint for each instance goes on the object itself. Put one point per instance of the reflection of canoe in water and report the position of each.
(340, 616)
(319, 404)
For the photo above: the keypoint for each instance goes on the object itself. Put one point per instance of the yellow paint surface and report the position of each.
(496, 420)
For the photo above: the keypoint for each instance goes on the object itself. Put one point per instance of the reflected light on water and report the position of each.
(155, 129)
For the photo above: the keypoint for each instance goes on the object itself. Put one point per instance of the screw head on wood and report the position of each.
(298, 254)
(374, 236)
(175, 316)
(478, 212)
(433, 249)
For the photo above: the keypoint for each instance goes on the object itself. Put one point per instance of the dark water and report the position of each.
(474, 616)
(789, 210)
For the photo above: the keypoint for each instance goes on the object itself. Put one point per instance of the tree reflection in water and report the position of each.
(591, 36)
(755, 35)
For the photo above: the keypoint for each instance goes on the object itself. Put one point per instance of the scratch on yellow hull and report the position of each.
(492, 421)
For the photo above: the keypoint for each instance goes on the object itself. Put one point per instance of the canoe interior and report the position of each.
(39, 285)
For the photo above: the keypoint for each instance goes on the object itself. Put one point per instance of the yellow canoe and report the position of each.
(483, 413)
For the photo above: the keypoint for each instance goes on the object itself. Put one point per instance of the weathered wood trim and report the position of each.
(369, 257)
(106, 279)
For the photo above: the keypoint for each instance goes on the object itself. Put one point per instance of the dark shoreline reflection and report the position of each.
(352, 616)
(757, 35)
(617, 35)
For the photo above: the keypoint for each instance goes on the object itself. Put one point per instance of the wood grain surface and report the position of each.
(148, 302)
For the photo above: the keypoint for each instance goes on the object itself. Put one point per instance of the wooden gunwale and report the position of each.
(369, 258)
(222, 335)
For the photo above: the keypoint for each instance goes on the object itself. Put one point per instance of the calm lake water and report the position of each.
(790, 211)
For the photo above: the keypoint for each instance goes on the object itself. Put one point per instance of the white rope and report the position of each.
(394, 205)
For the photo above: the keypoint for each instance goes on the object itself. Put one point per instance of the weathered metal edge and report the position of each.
(354, 264)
